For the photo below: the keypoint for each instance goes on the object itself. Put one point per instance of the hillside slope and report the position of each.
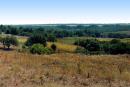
(63, 70)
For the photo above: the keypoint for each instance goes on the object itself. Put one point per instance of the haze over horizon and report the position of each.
(64, 11)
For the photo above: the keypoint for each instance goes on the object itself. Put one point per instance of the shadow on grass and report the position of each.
(7, 49)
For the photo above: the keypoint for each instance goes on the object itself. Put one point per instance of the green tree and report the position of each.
(8, 41)
(36, 39)
(51, 38)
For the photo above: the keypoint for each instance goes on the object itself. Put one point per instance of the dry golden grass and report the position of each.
(63, 47)
(22, 39)
(63, 70)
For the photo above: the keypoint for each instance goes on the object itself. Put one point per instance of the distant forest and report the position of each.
(70, 30)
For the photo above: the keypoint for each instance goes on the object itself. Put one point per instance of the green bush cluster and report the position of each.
(40, 49)
(37, 44)
(93, 46)
(116, 47)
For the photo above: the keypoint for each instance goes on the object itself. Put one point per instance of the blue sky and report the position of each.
(64, 11)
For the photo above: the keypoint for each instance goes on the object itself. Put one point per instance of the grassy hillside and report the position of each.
(63, 70)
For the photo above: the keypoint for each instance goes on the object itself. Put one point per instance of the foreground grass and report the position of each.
(63, 70)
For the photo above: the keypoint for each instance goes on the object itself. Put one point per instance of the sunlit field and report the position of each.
(22, 39)
(62, 47)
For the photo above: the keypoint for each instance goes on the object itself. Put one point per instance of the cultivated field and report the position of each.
(63, 70)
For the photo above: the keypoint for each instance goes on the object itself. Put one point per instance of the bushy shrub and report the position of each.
(115, 46)
(92, 46)
(89, 44)
(119, 48)
(53, 47)
(40, 49)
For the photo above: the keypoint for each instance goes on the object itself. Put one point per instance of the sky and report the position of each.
(64, 11)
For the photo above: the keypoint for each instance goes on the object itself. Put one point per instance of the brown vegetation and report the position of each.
(63, 70)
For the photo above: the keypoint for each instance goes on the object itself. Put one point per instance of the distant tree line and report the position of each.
(60, 31)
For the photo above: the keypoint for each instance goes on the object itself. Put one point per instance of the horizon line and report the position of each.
(61, 23)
